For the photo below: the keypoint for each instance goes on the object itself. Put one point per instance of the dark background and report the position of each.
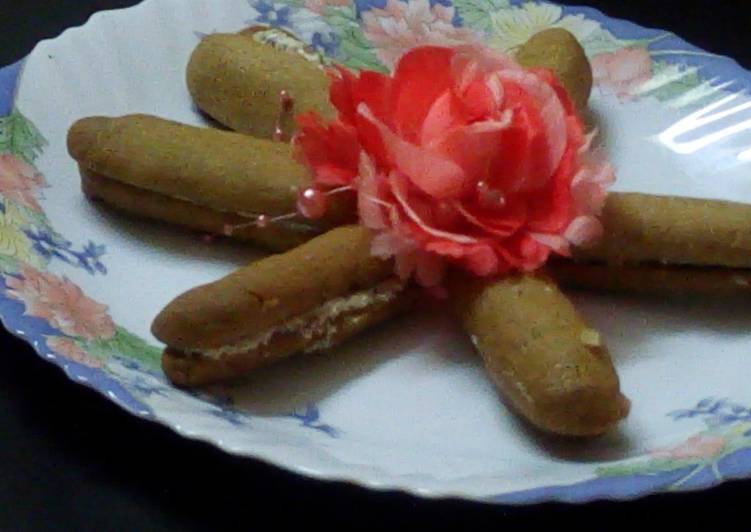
(71, 460)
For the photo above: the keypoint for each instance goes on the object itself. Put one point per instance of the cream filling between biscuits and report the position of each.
(283, 41)
(317, 323)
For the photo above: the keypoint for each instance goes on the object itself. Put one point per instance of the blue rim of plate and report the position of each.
(732, 466)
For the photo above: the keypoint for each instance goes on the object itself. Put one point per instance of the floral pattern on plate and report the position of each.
(374, 33)
(68, 326)
(84, 332)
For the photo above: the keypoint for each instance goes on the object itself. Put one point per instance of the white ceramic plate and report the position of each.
(406, 406)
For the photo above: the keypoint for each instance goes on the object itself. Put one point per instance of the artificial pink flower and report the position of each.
(69, 349)
(461, 156)
(622, 72)
(20, 182)
(403, 25)
(319, 6)
(61, 303)
(702, 446)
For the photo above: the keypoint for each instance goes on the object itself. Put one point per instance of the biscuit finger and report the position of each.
(254, 87)
(157, 207)
(163, 170)
(552, 368)
(307, 299)
(654, 280)
(640, 228)
(191, 370)
(558, 50)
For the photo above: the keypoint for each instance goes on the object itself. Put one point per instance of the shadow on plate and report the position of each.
(613, 446)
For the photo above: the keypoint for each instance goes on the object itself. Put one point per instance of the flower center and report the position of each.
(489, 197)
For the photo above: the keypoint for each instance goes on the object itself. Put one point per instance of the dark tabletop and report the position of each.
(71, 460)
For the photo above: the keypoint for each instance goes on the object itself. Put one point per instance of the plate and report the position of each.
(406, 406)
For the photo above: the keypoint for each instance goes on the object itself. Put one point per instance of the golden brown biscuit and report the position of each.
(255, 87)
(307, 299)
(640, 228)
(240, 79)
(654, 280)
(230, 175)
(190, 370)
(558, 50)
(135, 201)
(554, 370)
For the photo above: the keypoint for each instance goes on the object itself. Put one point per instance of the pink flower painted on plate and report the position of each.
(61, 303)
(401, 26)
(702, 446)
(20, 182)
(319, 6)
(622, 72)
(69, 349)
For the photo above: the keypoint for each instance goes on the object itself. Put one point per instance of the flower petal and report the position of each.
(471, 62)
(502, 225)
(341, 93)
(328, 174)
(473, 147)
(584, 231)
(369, 206)
(511, 168)
(442, 116)
(405, 265)
(589, 186)
(435, 175)
(556, 243)
(479, 101)
(399, 189)
(552, 112)
(331, 152)
(374, 90)
(446, 248)
(420, 77)
(482, 260)
(429, 270)
(525, 253)
(550, 209)
(383, 245)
